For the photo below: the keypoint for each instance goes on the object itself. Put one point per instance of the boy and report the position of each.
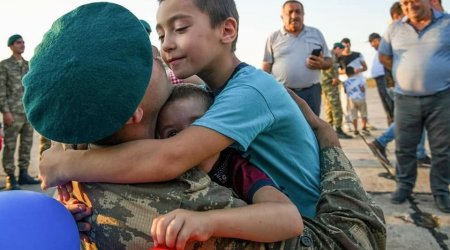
(251, 112)
(354, 87)
(186, 104)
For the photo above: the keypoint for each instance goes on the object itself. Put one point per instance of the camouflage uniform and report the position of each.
(11, 92)
(333, 108)
(347, 218)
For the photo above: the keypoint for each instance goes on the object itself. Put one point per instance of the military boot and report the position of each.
(11, 183)
(25, 178)
(341, 134)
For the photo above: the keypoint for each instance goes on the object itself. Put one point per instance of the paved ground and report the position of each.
(416, 224)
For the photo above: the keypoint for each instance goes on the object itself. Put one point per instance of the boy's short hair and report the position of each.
(218, 11)
(396, 8)
(349, 71)
(188, 90)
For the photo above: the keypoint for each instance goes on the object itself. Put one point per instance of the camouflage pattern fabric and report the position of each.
(11, 89)
(21, 127)
(11, 92)
(123, 214)
(333, 107)
(347, 217)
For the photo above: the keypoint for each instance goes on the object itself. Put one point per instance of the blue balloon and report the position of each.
(32, 220)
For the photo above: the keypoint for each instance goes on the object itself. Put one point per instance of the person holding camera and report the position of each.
(296, 53)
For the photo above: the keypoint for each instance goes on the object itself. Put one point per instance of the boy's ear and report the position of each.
(136, 117)
(229, 30)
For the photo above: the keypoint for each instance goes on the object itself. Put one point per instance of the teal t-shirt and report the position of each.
(270, 131)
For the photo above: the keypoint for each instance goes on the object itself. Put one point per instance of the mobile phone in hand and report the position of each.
(316, 52)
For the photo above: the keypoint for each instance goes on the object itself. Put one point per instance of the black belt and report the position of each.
(300, 89)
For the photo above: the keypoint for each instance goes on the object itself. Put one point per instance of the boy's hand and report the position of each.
(51, 167)
(362, 88)
(325, 135)
(178, 227)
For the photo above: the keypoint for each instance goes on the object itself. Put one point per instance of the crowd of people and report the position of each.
(239, 160)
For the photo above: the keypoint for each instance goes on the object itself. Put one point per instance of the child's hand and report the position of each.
(64, 192)
(178, 227)
(79, 211)
(362, 88)
(50, 167)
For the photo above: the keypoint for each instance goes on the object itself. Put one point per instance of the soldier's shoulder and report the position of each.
(5, 62)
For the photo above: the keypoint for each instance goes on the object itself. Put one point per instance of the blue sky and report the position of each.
(336, 19)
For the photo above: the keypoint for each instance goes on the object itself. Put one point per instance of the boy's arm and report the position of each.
(271, 218)
(132, 162)
(324, 133)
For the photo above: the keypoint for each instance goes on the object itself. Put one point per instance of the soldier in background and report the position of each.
(329, 79)
(11, 72)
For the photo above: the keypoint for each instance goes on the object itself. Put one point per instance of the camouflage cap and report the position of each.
(88, 75)
(13, 38)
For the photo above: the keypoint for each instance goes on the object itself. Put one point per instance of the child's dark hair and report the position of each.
(218, 11)
(396, 8)
(188, 90)
(349, 71)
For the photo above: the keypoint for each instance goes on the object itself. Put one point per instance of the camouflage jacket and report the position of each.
(347, 218)
(327, 76)
(11, 89)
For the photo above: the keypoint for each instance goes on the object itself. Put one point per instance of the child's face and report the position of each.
(189, 44)
(178, 115)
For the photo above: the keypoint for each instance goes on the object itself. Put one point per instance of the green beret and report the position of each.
(338, 45)
(146, 26)
(88, 75)
(13, 38)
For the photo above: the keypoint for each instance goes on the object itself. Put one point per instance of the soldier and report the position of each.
(330, 80)
(11, 72)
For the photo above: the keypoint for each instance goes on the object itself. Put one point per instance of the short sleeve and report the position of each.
(240, 113)
(247, 178)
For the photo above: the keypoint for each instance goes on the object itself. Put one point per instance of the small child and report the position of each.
(186, 104)
(354, 87)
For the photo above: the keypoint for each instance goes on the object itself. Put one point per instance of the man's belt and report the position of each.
(305, 88)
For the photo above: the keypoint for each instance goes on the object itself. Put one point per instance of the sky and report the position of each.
(336, 19)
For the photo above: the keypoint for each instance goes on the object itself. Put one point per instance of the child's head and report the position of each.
(187, 103)
(218, 12)
(195, 35)
(350, 71)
